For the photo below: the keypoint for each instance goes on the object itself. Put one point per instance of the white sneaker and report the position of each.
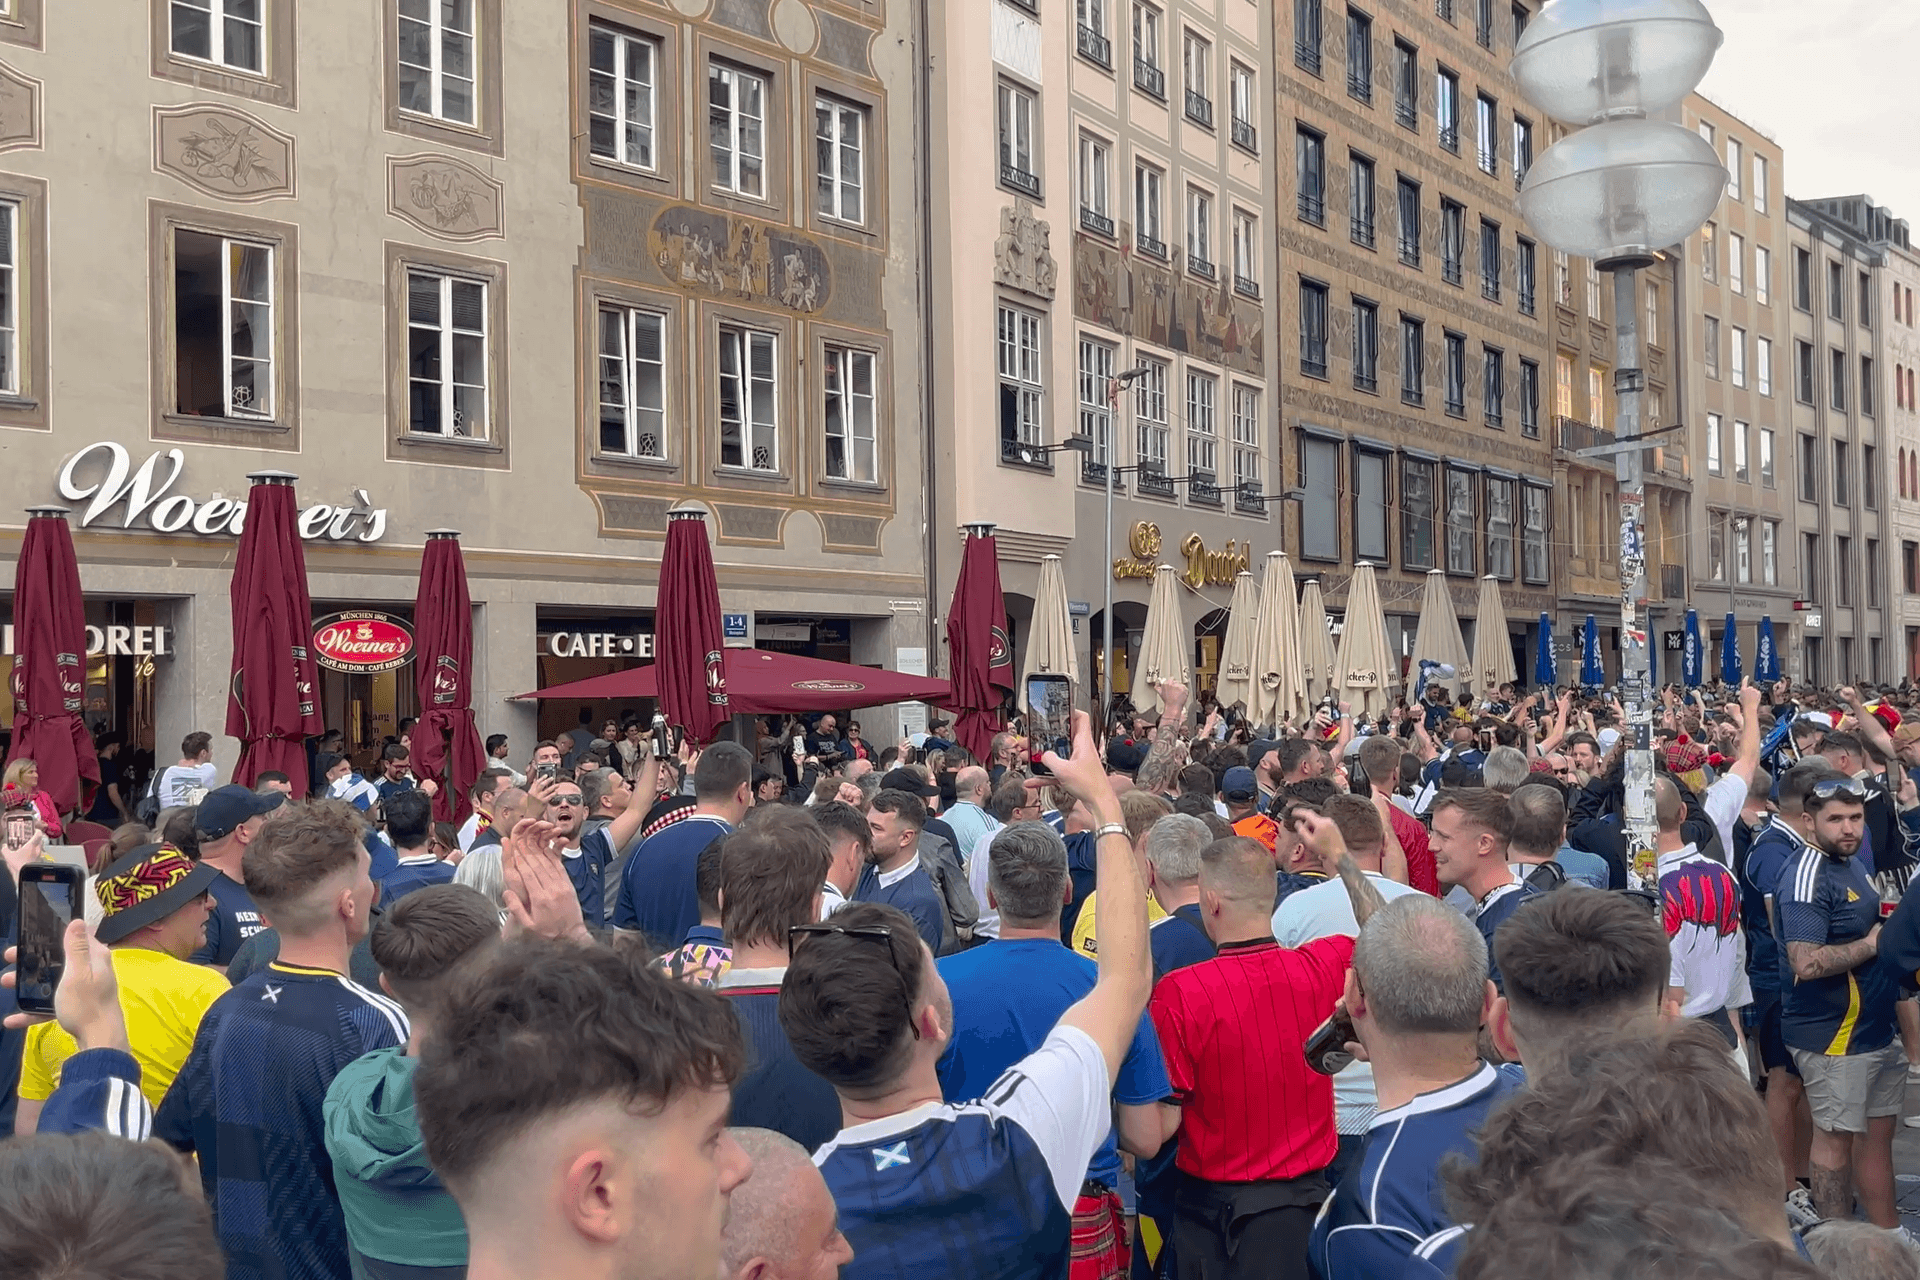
(1913, 1073)
(1912, 1122)
(1800, 1211)
(1905, 1237)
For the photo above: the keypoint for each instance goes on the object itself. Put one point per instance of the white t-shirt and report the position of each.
(1723, 802)
(178, 783)
(1322, 912)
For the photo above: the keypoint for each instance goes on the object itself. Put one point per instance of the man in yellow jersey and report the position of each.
(155, 902)
(1140, 810)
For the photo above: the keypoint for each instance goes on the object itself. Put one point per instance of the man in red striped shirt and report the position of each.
(1256, 1123)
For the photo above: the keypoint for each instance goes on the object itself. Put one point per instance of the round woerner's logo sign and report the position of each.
(358, 640)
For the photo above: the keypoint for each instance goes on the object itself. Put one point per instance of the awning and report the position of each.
(761, 682)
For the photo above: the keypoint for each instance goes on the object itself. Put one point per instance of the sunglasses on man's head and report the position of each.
(880, 931)
(1849, 788)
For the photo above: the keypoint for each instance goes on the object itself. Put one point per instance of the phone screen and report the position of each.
(49, 902)
(1049, 718)
(19, 828)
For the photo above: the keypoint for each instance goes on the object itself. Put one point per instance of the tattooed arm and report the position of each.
(1162, 762)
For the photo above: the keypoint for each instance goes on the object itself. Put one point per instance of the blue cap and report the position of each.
(1238, 784)
(225, 808)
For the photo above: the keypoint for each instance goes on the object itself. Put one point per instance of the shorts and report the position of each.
(1773, 1047)
(1846, 1092)
(1102, 1243)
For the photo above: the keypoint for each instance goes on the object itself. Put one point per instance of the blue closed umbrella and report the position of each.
(1730, 653)
(1593, 673)
(1691, 655)
(1766, 658)
(1546, 668)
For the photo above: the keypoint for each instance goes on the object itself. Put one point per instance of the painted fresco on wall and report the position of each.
(714, 253)
(1154, 304)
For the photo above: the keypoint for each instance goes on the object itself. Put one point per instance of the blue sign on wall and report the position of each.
(733, 626)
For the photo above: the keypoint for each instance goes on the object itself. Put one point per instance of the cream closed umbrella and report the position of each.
(1163, 649)
(1050, 647)
(1365, 674)
(1316, 646)
(1235, 685)
(1437, 638)
(1492, 652)
(1278, 689)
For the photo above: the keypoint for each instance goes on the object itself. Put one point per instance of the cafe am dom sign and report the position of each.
(361, 642)
(103, 476)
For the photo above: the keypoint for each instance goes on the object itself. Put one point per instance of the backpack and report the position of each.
(1545, 877)
(942, 865)
(146, 810)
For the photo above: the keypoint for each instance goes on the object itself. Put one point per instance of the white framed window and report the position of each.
(1092, 15)
(227, 32)
(1240, 105)
(633, 382)
(1015, 112)
(1146, 36)
(1096, 166)
(1762, 275)
(1760, 191)
(1203, 429)
(1763, 365)
(1766, 457)
(1150, 414)
(1652, 337)
(1593, 290)
(1149, 228)
(1709, 252)
(839, 146)
(1769, 536)
(749, 418)
(736, 129)
(1196, 66)
(1486, 115)
(224, 317)
(447, 343)
(9, 298)
(1713, 444)
(1246, 248)
(1246, 435)
(1740, 471)
(437, 59)
(621, 83)
(1742, 546)
(1736, 262)
(1734, 165)
(1737, 356)
(1020, 349)
(852, 437)
(1096, 414)
(1199, 226)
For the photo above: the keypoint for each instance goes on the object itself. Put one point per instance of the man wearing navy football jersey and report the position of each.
(927, 1187)
(1418, 993)
(1838, 1018)
(248, 1100)
(587, 854)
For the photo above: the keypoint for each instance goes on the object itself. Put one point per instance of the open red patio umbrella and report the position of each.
(763, 682)
(446, 745)
(273, 701)
(50, 661)
(979, 659)
(686, 626)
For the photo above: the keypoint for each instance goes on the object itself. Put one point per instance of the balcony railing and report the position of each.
(1457, 402)
(1201, 488)
(1246, 286)
(1306, 56)
(1406, 113)
(1314, 363)
(1443, 10)
(1526, 302)
(1415, 396)
(1199, 108)
(1312, 209)
(1095, 473)
(1247, 499)
(1365, 381)
(1530, 425)
(1152, 246)
(1095, 47)
(1495, 418)
(1360, 86)
(1020, 180)
(1099, 223)
(1450, 270)
(1155, 481)
(1024, 453)
(1362, 231)
(1201, 266)
(1483, 34)
(1450, 137)
(1573, 435)
(1149, 79)
(1244, 135)
(1490, 289)
(1409, 251)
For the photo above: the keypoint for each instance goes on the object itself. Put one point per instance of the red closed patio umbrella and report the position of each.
(979, 658)
(688, 655)
(273, 701)
(446, 745)
(50, 661)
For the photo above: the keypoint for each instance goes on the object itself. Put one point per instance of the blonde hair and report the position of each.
(17, 769)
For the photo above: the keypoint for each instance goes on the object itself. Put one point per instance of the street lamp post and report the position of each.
(1617, 191)
(1115, 386)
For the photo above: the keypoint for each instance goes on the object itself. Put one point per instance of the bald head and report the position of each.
(509, 806)
(781, 1222)
(971, 785)
(1238, 872)
(1668, 809)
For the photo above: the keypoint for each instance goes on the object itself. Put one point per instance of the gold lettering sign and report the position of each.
(1213, 568)
(1143, 540)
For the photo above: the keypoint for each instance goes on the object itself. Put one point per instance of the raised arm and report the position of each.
(1162, 761)
(1324, 838)
(1110, 1013)
(1746, 756)
(626, 824)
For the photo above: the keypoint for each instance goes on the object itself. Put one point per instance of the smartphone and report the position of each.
(662, 738)
(1326, 1048)
(19, 827)
(49, 902)
(1049, 719)
(548, 771)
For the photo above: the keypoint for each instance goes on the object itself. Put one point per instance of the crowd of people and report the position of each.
(1352, 1000)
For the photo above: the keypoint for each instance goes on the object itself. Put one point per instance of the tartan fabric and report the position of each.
(1102, 1249)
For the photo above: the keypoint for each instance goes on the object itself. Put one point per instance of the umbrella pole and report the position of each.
(1635, 677)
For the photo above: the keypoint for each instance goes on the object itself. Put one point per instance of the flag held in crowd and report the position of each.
(1766, 655)
(1593, 672)
(1692, 657)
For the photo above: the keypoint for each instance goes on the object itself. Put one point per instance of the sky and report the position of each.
(1832, 82)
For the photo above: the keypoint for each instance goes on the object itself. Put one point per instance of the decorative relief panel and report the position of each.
(19, 110)
(843, 532)
(632, 514)
(223, 152)
(1021, 256)
(1117, 290)
(749, 524)
(749, 16)
(445, 197)
(844, 44)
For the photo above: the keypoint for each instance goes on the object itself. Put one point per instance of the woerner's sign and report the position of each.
(102, 475)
